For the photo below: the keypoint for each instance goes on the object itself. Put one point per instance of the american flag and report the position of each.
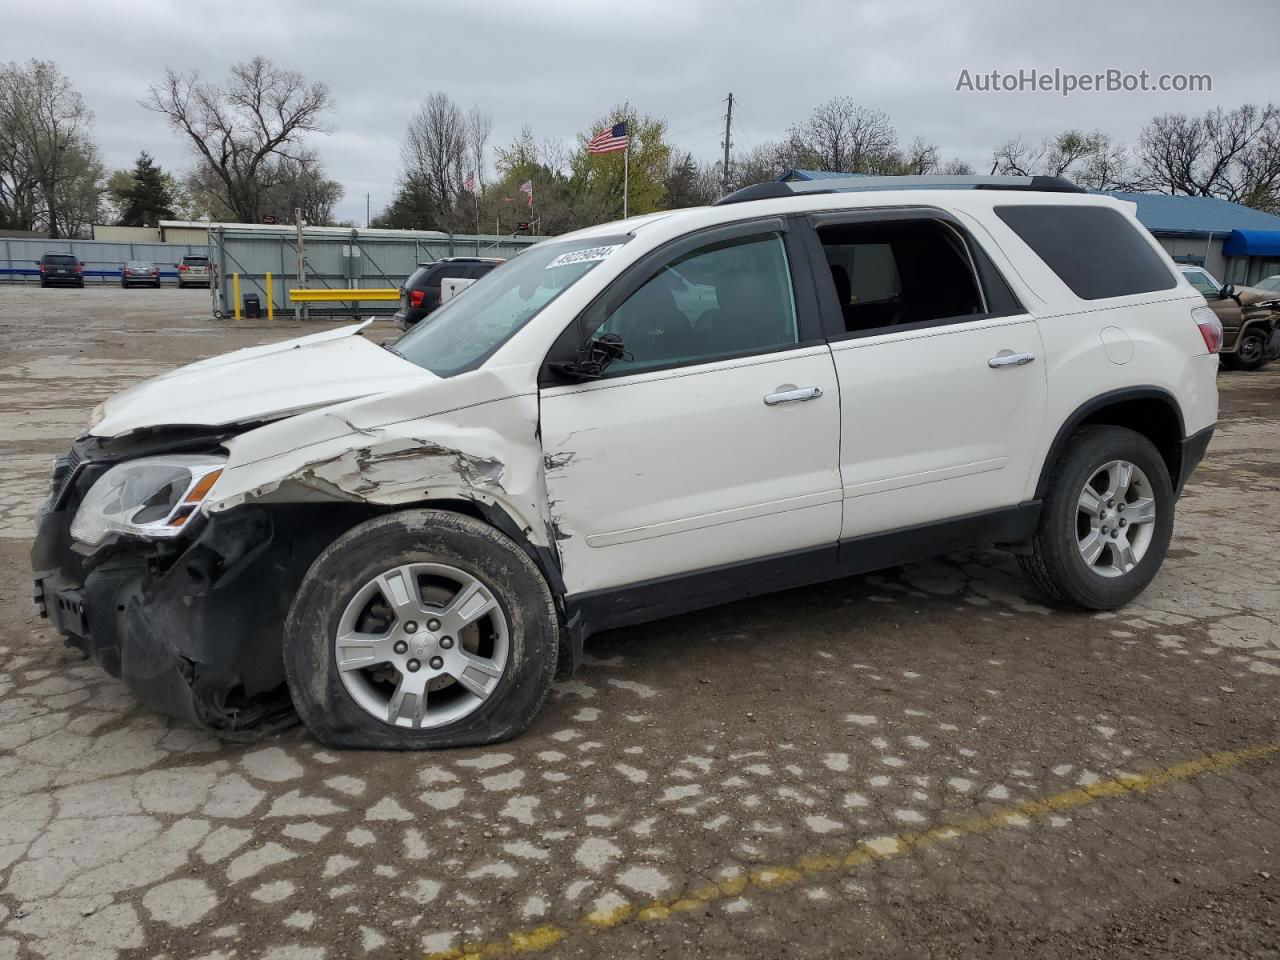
(527, 187)
(607, 141)
(469, 184)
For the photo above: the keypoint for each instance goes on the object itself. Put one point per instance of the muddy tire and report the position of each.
(1250, 353)
(418, 630)
(1106, 521)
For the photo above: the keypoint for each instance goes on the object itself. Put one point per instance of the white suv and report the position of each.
(799, 383)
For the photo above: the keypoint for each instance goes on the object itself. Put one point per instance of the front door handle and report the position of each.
(1010, 360)
(791, 395)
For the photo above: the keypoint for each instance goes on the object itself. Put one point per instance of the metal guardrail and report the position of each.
(343, 295)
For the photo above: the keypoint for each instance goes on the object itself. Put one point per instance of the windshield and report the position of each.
(469, 328)
(1271, 283)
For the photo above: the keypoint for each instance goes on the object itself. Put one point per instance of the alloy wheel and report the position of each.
(422, 645)
(1115, 518)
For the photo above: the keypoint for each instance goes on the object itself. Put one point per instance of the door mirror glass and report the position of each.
(1228, 291)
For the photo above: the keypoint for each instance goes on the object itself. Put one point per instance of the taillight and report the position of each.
(79, 268)
(42, 268)
(1210, 328)
(416, 297)
(183, 268)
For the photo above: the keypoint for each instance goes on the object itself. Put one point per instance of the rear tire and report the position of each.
(517, 640)
(1250, 353)
(1062, 562)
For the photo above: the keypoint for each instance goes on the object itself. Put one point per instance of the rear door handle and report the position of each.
(1010, 360)
(791, 395)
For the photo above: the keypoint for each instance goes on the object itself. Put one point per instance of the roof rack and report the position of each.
(776, 188)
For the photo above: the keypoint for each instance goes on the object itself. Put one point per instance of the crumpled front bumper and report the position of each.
(192, 627)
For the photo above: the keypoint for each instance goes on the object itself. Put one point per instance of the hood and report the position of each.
(262, 383)
(1251, 295)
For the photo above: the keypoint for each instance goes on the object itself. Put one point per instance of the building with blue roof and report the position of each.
(1235, 243)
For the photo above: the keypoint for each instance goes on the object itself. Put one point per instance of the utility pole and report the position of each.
(301, 313)
(728, 140)
(366, 211)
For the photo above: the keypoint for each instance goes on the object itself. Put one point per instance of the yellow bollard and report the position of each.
(271, 301)
(235, 293)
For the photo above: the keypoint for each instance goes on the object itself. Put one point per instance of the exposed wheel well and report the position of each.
(1148, 411)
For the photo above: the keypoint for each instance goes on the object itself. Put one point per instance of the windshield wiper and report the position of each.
(389, 347)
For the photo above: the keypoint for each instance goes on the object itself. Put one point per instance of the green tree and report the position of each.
(47, 154)
(599, 177)
(143, 196)
(412, 207)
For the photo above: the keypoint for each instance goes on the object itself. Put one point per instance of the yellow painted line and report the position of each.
(304, 295)
(869, 851)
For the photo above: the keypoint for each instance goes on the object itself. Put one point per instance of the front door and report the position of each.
(714, 440)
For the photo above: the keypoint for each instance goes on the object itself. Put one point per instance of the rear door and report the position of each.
(942, 388)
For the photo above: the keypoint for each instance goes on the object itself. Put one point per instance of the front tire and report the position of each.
(418, 630)
(1251, 351)
(1106, 520)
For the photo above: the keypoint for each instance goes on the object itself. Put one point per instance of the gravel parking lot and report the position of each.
(924, 762)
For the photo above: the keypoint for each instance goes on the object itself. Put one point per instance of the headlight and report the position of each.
(152, 497)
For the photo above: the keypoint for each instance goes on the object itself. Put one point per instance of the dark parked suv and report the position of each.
(60, 268)
(421, 292)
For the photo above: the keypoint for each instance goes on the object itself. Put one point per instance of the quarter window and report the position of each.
(719, 301)
(1094, 250)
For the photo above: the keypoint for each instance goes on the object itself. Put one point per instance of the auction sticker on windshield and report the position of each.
(584, 256)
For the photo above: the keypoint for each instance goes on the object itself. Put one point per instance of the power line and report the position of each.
(697, 126)
(690, 113)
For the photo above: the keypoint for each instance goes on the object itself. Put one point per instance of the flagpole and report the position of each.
(626, 174)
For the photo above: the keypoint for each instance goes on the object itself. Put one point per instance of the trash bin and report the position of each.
(252, 306)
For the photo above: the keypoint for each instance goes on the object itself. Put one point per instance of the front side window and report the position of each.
(726, 299)
(895, 273)
(1203, 282)
(466, 330)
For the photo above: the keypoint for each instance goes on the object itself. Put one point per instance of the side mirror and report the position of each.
(1227, 292)
(593, 359)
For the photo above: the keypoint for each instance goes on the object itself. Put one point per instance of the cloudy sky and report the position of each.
(557, 64)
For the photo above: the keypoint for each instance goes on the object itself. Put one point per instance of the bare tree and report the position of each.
(435, 150)
(1018, 158)
(1232, 154)
(921, 158)
(955, 167)
(1089, 159)
(763, 163)
(45, 148)
(842, 136)
(479, 129)
(241, 128)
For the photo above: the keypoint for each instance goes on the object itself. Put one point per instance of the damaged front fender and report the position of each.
(482, 447)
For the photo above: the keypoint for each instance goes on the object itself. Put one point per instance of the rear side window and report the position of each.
(1095, 251)
(900, 273)
(448, 272)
